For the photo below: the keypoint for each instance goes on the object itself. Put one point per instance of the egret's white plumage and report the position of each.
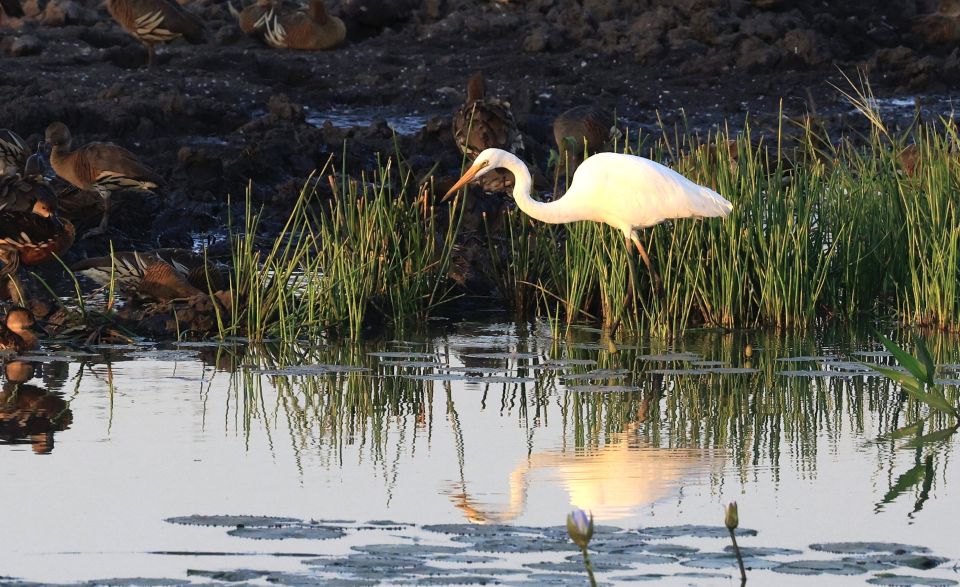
(624, 191)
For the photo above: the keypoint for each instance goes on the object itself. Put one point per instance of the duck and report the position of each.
(13, 151)
(101, 167)
(485, 122)
(253, 19)
(156, 21)
(160, 275)
(312, 30)
(20, 191)
(10, 8)
(18, 331)
(579, 127)
(32, 237)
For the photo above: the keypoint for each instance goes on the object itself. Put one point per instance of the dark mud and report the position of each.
(217, 117)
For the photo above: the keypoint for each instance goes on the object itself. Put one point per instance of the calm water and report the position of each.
(482, 424)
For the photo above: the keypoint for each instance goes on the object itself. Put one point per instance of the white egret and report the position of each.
(624, 191)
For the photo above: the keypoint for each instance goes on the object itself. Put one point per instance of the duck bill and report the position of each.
(467, 178)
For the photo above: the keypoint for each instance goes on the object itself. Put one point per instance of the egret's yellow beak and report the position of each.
(467, 178)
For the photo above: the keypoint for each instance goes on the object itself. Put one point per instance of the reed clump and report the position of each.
(863, 226)
(822, 228)
(368, 252)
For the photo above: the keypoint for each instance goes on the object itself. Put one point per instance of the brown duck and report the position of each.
(482, 122)
(160, 275)
(10, 8)
(310, 30)
(582, 127)
(13, 152)
(31, 238)
(18, 331)
(156, 21)
(253, 18)
(19, 192)
(101, 167)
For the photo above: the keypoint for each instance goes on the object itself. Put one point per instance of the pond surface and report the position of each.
(455, 458)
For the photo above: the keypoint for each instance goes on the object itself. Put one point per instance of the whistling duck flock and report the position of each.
(33, 232)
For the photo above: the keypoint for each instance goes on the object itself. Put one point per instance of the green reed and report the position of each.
(821, 228)
(370, 253)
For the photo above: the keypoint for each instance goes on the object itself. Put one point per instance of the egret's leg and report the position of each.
(630, 297)
(657, 284)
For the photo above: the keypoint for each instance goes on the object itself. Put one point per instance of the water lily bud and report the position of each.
(731, 518)
(748, 351)
(580, 527)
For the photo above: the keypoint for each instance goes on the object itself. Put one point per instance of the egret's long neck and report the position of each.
(552, 212)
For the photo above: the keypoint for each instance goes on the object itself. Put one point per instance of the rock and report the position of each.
(25, 45)
(377, 13)
(281, 108)
(755, 55)
(536, 41)
(806, 46)
(64, 12)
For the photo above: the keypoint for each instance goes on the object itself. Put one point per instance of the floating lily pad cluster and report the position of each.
(463, 554)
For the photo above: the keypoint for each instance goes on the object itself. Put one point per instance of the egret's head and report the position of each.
(486, 161)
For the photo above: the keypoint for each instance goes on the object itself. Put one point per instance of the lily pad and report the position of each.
(413, 364)
(556, 579)
(288, 532)
(234, 521)
(465, 559)
(723, 560)
(136, 582)
(501, 379)
(514, 544)
(165, 355)
(872, 353)
(234, 576)
(625, 558)
(403, 354)
(908, 580)
(733, 370)
(819, 373)
(679, 371)
(867, 547)
(435, 376)
(819, 567)
(508, 356)
(691, 531)
(914, 561)
(670, 357)
(313, 370)
(597, 374)
(603, 388)
(576, 566)
(415, 550)
(300, 579)
(569, 362)
(807, 359)
(759, 551)
(483, 530)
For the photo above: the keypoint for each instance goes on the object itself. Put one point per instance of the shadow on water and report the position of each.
(501, 425)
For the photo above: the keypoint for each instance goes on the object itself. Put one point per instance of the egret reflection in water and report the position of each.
(611, 481)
